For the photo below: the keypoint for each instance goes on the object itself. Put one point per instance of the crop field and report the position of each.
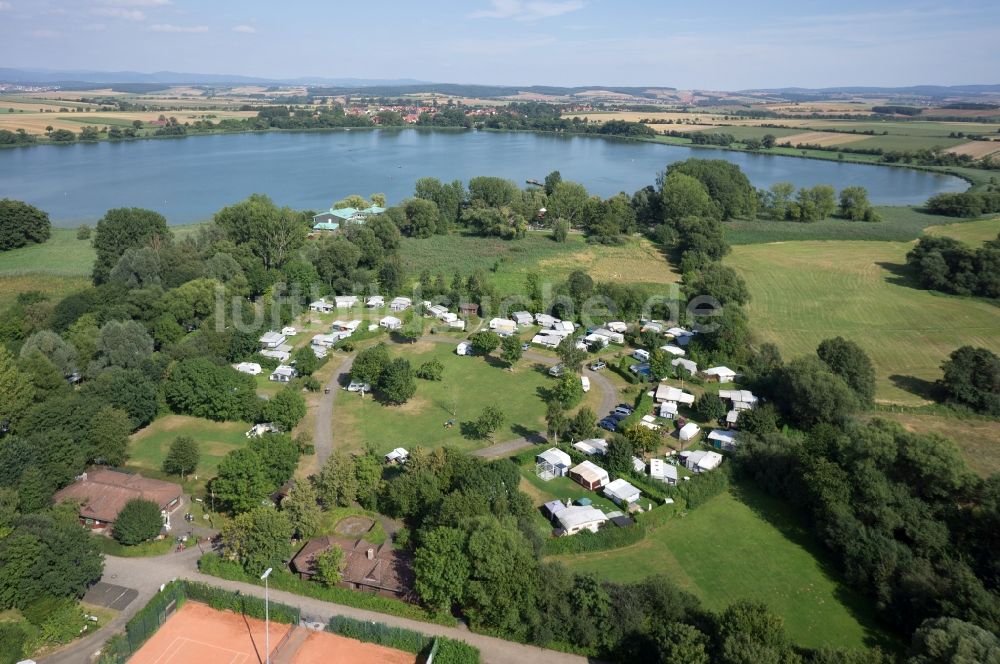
(899, 224)
(804, 292)
(747, 545)
(822, 138)
(973, 233)
(977, 149)
(148, 447)
(907, 143)
(509, 262)
(976, 438)
(470, 384)
(36, 123)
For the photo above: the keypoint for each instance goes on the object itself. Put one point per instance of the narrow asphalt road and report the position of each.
(147, 574)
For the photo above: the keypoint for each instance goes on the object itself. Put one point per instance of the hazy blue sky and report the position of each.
(720, 44)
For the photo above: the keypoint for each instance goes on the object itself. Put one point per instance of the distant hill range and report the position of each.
(89, 79)
(69, 76)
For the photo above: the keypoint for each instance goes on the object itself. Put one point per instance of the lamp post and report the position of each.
(267, 619)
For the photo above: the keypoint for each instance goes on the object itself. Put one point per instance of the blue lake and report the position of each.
(190, 178)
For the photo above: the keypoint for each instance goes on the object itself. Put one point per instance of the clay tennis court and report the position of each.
(198, 634)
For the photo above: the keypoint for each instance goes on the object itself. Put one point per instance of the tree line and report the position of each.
(945, 264)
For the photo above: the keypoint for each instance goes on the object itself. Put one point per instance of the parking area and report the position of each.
(110, 596)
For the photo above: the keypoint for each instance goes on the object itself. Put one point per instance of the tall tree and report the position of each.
(258, 539)
(121, 229)
(441, 568)
(338, 481)
(22, 224)
(511, 350)
(182, 457)
(301, 506)
(241, 483)
(848, 360)
(273, 234)
(16, 388)
(138, 521)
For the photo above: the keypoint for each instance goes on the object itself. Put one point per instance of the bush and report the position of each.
(449, 651)
(384, 635)
(22, 224)
(138, 521)
(701, 488)
(12, 639)
(608, 537)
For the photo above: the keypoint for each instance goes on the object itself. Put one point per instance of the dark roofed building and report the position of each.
(376, 568)
(102, 493)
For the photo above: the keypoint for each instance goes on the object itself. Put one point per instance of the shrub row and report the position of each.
(701, 488)
(248, 605)
(608, 537)
(442, 650)
(212, 564)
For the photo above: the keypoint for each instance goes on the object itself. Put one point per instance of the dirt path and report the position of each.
(323, 426)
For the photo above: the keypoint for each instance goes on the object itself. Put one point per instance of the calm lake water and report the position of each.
(188, 179)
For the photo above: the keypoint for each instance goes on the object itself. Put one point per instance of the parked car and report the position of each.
(525, 346)
(623, 411)
(608, 424)
(556, 371)
(616, 416)
(597, 366)
(359, 387)
(585, 383)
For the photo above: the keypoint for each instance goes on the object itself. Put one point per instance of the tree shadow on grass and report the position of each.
(532, 436)
(924, 389)
(901, 275)
(792, 525)
(469, 430)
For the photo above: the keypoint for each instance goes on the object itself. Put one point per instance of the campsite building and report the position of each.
(390, 323)
(589, 475)
(592, 446)
(375, 302)
(551, 463)
(250, 368)
(701, 461)
(380, 569)
(722, 439)
(345, 301)
(102, 493)
(573, 519)
(463, 348)
(503, 326)
(283, 374)
(400, 303)
(688, 431)
(321, 306)
(665, 393)
(622, 492)
(688, 365)
(523, 318)
(271, 340)
(663, 471)
(719, 374)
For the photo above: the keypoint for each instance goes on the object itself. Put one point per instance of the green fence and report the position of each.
(429, 650)
(144, 624)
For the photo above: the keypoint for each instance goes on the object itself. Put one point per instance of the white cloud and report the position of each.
(248, 29)
(120, 12)
(528, 10)
(4, 5)
(45, 34)
(167, 27)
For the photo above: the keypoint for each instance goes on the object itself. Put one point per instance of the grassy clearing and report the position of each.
(742, 545)
(899, 224)
(111, 547)
(470, 384)
(63, 255)
(976, 438)
(804, 292)
(973, 233)
(333, 516)
(509, 262)
(148, 447)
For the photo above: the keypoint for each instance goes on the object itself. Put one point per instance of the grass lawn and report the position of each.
(332, 517)
(63, 255)
(804, 292)
(148, 447)
(470, 384)
(748, 545)
(976, 438)
(973, 233)
(637, 261)
(111, 547)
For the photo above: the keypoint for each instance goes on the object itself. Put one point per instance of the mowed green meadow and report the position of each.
(508, 262)
(149, 446)
(972, 233)
(804, 292)
(747, 545)
(469, 385)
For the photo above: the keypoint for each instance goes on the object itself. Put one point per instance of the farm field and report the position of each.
(470, 384)
(804, 292)
(148, 447)
(638, 261)
(973, 233)
(899, 224)
(747, 545)
(976, 439)
(57, 268)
